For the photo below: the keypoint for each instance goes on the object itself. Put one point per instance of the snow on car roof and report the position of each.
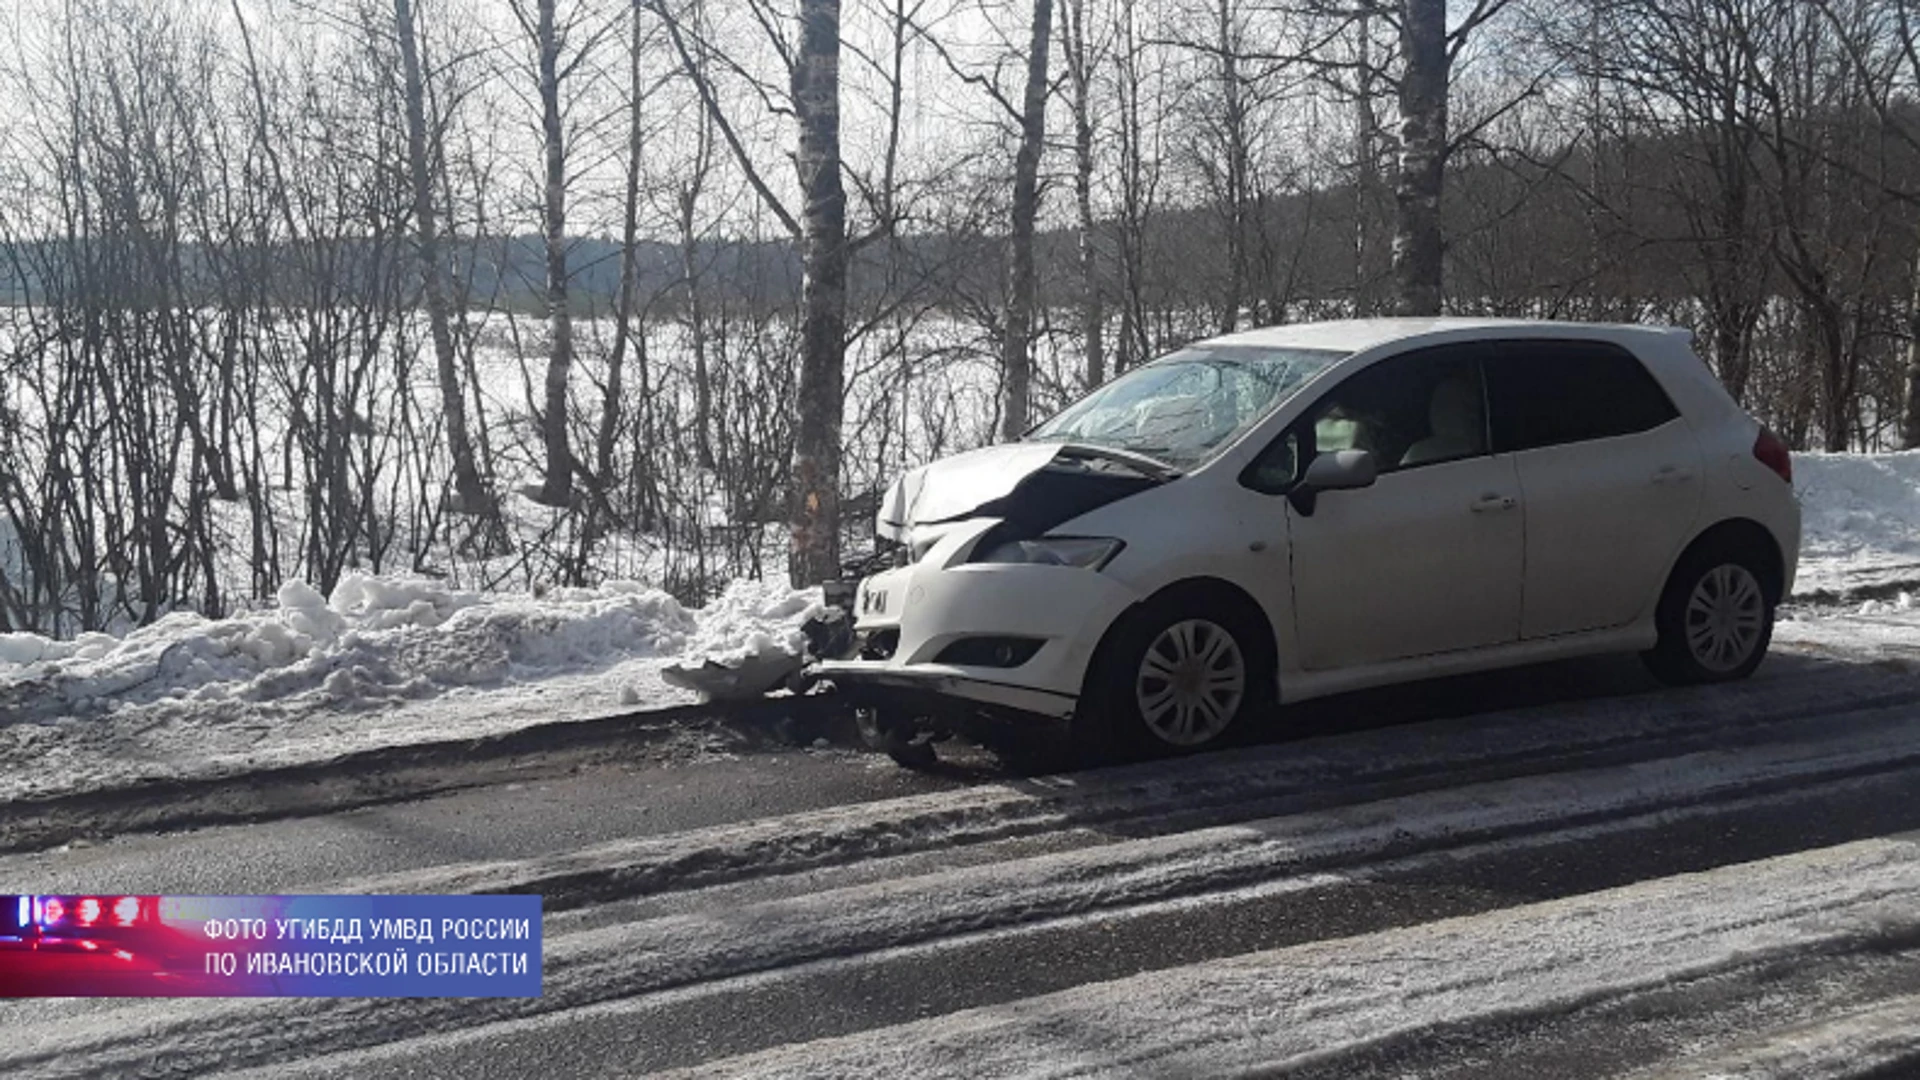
(1353, 335)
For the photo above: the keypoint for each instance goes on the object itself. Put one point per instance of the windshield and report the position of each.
(1183, 407)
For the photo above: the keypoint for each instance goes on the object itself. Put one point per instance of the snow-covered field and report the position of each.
(388, 661)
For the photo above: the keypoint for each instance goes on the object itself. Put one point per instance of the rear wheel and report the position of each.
(1178, 675)
(1715, 618)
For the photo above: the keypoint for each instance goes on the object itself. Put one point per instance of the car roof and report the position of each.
(1355, 335)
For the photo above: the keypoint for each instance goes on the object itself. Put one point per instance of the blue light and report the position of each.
(25, 911)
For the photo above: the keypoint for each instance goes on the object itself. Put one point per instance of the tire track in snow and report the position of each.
(1162, 797)
(1321, 850)
(1870, 1041)
(1314, 1004)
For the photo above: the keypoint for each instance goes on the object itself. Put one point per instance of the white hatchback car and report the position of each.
(1301, 510)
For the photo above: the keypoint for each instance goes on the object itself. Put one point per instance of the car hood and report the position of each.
(952, 488)
(1013, 481)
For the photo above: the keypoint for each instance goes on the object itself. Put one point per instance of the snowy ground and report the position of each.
(386, 661)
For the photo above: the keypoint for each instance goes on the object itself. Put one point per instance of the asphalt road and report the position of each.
(902, 913)
(520, 818)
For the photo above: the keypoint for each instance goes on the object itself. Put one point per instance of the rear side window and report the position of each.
(1545, 393)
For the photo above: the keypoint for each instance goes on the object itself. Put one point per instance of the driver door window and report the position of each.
(1424, 408)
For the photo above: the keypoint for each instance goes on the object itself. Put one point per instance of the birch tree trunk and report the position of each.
(471, 494)
(1417, 245)
(609, 429)
(1234, 138)
(558, 488)
(1093, 316)
(1015, 359)
(1366, 185)
(1910, 413)
(815, 509)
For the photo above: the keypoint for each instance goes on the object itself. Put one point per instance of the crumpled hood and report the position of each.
(952, 488)
(1030, 487)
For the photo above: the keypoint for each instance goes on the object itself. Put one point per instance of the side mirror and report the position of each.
(1340, 470)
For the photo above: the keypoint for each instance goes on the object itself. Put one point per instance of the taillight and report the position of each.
(126, 910)
(87, 911)
(1773, 453)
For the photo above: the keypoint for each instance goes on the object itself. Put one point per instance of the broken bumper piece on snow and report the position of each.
(736, 679)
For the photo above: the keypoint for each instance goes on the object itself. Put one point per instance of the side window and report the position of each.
(1545, 393)
(1277, 466)
(1421, 408)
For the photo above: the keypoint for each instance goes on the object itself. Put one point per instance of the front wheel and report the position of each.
(1715, 620)
(1178, 675)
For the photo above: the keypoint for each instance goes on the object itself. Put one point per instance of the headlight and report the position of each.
(1091, 553)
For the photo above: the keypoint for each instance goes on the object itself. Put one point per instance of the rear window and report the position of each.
(1546, 393)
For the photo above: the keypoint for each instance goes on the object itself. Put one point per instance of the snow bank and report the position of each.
(380, 661)
(376, 639)
(1860, 520)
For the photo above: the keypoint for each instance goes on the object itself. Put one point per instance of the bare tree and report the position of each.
(473, 496)
(1137, 180)
(1016, 357)
(1081, 64)
(541, 27)
(1418, 246)
(816, 458)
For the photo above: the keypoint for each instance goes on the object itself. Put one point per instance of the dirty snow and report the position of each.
(380, 661)
(1292, 1007)
(1871, 1041)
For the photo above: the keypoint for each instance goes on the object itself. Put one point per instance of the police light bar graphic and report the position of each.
(110, 944)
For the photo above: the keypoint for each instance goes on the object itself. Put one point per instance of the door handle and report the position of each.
(1672, 474)
(1489, 502)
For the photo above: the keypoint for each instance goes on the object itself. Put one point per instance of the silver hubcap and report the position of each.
(1724, 617)
(1190, 682)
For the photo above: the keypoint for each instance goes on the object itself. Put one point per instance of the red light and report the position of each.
(123, 954)
(90, 946)
(1773, 453)
(52, 910)
(126, 910)
(88, 912)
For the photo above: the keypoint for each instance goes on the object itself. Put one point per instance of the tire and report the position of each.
(1715, 618)
(1177, 675)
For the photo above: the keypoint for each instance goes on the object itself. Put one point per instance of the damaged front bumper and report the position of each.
(945, 635)
(936, 689)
